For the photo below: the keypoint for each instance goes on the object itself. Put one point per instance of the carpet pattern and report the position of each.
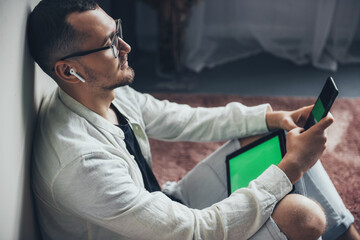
(171, 161)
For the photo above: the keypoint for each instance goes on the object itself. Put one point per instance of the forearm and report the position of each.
(264, 193)
(115, 202)
(274, 118)
(291, 170)
(176, 122)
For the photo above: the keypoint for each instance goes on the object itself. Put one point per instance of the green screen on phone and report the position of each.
(323, 103)
(318, 110)
(252, 163)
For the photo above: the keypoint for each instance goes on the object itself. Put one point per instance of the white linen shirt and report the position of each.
(87, 185)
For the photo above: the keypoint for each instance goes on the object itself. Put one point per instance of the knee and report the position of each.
(299, 217)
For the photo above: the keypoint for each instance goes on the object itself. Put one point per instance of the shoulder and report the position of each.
(61, 134)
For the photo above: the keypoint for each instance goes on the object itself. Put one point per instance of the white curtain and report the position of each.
(321, 32)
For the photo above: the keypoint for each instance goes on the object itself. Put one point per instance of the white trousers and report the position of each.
(206, 184)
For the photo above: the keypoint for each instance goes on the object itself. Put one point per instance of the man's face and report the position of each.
(101, 69)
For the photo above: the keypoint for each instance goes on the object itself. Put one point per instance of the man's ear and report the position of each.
(62, 70)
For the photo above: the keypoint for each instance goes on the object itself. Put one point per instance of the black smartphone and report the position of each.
(323, 103)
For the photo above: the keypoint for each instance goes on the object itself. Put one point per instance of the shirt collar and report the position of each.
(88, 114)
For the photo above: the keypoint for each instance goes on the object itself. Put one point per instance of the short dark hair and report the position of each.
(50, 36)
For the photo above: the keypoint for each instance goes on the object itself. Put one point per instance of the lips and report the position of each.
(123, 63)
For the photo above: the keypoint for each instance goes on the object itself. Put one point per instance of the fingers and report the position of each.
(323, 124)
(296, 131)
(302, 114)
(288, 124)
(297, 118)
(306, 110)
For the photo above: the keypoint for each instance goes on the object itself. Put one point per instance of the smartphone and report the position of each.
(323, 103)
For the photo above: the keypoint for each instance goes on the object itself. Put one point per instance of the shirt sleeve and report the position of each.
(179, 122)
(100, 189)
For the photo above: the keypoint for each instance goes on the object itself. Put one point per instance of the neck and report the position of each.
(98, 102)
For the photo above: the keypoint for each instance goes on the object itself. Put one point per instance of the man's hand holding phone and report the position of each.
(288, 120)
(307, 137)
(304, 148)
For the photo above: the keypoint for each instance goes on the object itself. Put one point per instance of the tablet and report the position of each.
(249, 162)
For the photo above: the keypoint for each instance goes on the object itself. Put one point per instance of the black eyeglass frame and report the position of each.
(115, 38)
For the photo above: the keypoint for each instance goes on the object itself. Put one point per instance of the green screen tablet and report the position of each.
(249, 162)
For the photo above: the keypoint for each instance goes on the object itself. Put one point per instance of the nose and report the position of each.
(124, 47)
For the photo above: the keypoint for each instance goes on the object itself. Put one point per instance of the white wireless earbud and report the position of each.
(72, 72)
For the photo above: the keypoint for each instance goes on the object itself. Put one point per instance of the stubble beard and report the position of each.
(125, 81)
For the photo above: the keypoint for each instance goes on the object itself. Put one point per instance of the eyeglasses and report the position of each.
(114, 44)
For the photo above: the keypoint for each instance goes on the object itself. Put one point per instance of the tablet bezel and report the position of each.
(282, 140)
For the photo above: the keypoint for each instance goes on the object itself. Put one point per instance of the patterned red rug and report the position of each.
(171, 161)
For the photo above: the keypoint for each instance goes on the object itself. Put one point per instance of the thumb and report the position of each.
(307, 109)
(324, 123)
(297, 130)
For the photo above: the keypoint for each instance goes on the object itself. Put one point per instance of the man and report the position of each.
(92, 176)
